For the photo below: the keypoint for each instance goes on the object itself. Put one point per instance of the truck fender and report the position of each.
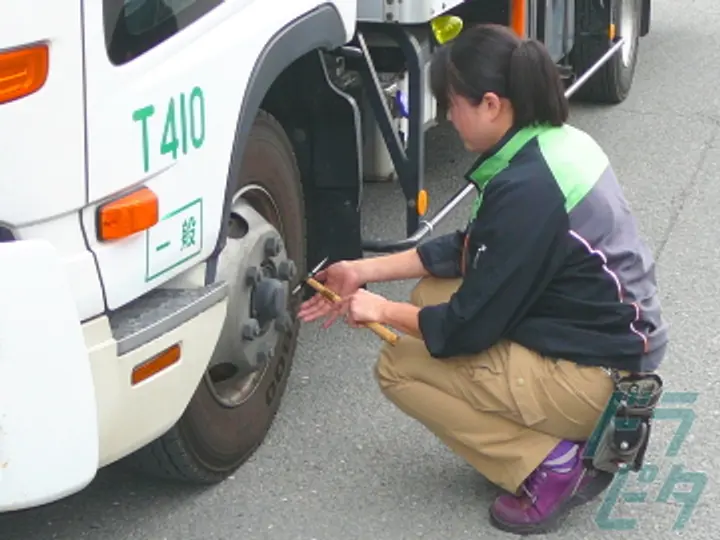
(319, 28)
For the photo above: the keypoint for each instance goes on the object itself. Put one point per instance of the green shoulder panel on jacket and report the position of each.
(575, 160)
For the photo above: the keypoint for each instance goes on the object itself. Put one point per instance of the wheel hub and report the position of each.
(268, 301)
(256, 266)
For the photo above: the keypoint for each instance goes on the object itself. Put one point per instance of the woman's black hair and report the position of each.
(491, 58)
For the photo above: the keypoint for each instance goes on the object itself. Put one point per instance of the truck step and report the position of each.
(160, 311)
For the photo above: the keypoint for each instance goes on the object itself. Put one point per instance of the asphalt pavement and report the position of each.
(341, 462)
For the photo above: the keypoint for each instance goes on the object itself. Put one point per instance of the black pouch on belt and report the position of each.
(622, 433)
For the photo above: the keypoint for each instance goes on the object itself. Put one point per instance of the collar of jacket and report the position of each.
(497, 158)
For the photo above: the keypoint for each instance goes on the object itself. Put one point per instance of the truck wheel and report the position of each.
(612, 82)
(234, 406)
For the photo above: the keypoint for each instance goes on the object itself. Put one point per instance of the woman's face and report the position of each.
(479, 126)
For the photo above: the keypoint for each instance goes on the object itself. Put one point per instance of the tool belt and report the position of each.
(621, 436)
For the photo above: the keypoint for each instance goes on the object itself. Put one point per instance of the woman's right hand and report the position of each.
(343, 279)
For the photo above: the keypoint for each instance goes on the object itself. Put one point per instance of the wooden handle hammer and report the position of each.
(386, 334)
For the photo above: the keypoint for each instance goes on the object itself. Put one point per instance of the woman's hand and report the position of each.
(340, 277)
(364, 307)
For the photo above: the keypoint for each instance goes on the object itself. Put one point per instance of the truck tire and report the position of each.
(612, 82)
(227, 419)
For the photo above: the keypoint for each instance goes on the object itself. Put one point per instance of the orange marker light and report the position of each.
(518, 17)
(612, 32)
(135, 212)
(155, 365)
(422, 202)
(23, 71)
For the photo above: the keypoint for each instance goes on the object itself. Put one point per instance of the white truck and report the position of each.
(169, 169)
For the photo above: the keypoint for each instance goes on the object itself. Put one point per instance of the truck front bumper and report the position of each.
(68, 404)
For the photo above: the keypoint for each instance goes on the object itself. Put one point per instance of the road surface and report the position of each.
(340, 462)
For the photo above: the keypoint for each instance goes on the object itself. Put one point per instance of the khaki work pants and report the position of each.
(504, 410)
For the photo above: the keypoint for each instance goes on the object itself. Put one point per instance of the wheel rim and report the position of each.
(256, 266)
(628, 29)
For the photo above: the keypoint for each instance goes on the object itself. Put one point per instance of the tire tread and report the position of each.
(605, 86)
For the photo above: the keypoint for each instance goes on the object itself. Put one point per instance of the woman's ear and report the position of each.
(494, 104)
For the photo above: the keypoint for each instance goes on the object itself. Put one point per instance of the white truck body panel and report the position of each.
(202, 73)
(66, 236)
(48, 420)
(67, 405)
(404, 12)
(42, 142)
(42, 137)
(67, 402)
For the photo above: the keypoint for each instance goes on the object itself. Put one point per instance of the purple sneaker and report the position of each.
(545, 496)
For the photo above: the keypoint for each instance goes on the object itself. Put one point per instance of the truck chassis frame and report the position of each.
(407, 156)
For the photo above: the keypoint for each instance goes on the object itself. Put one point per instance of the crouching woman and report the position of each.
(517, 320)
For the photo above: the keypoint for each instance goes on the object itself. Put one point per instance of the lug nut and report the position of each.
(253, 276)
(272, 246)
(287, 270)
(263, 356)
(251, 329)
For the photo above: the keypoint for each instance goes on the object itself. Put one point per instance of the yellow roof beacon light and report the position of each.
(446, 28)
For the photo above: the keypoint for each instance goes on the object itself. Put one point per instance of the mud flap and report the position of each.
(646, 18)
(48, 420)
(621, 436)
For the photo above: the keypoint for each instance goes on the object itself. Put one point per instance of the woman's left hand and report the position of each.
(364, 307)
